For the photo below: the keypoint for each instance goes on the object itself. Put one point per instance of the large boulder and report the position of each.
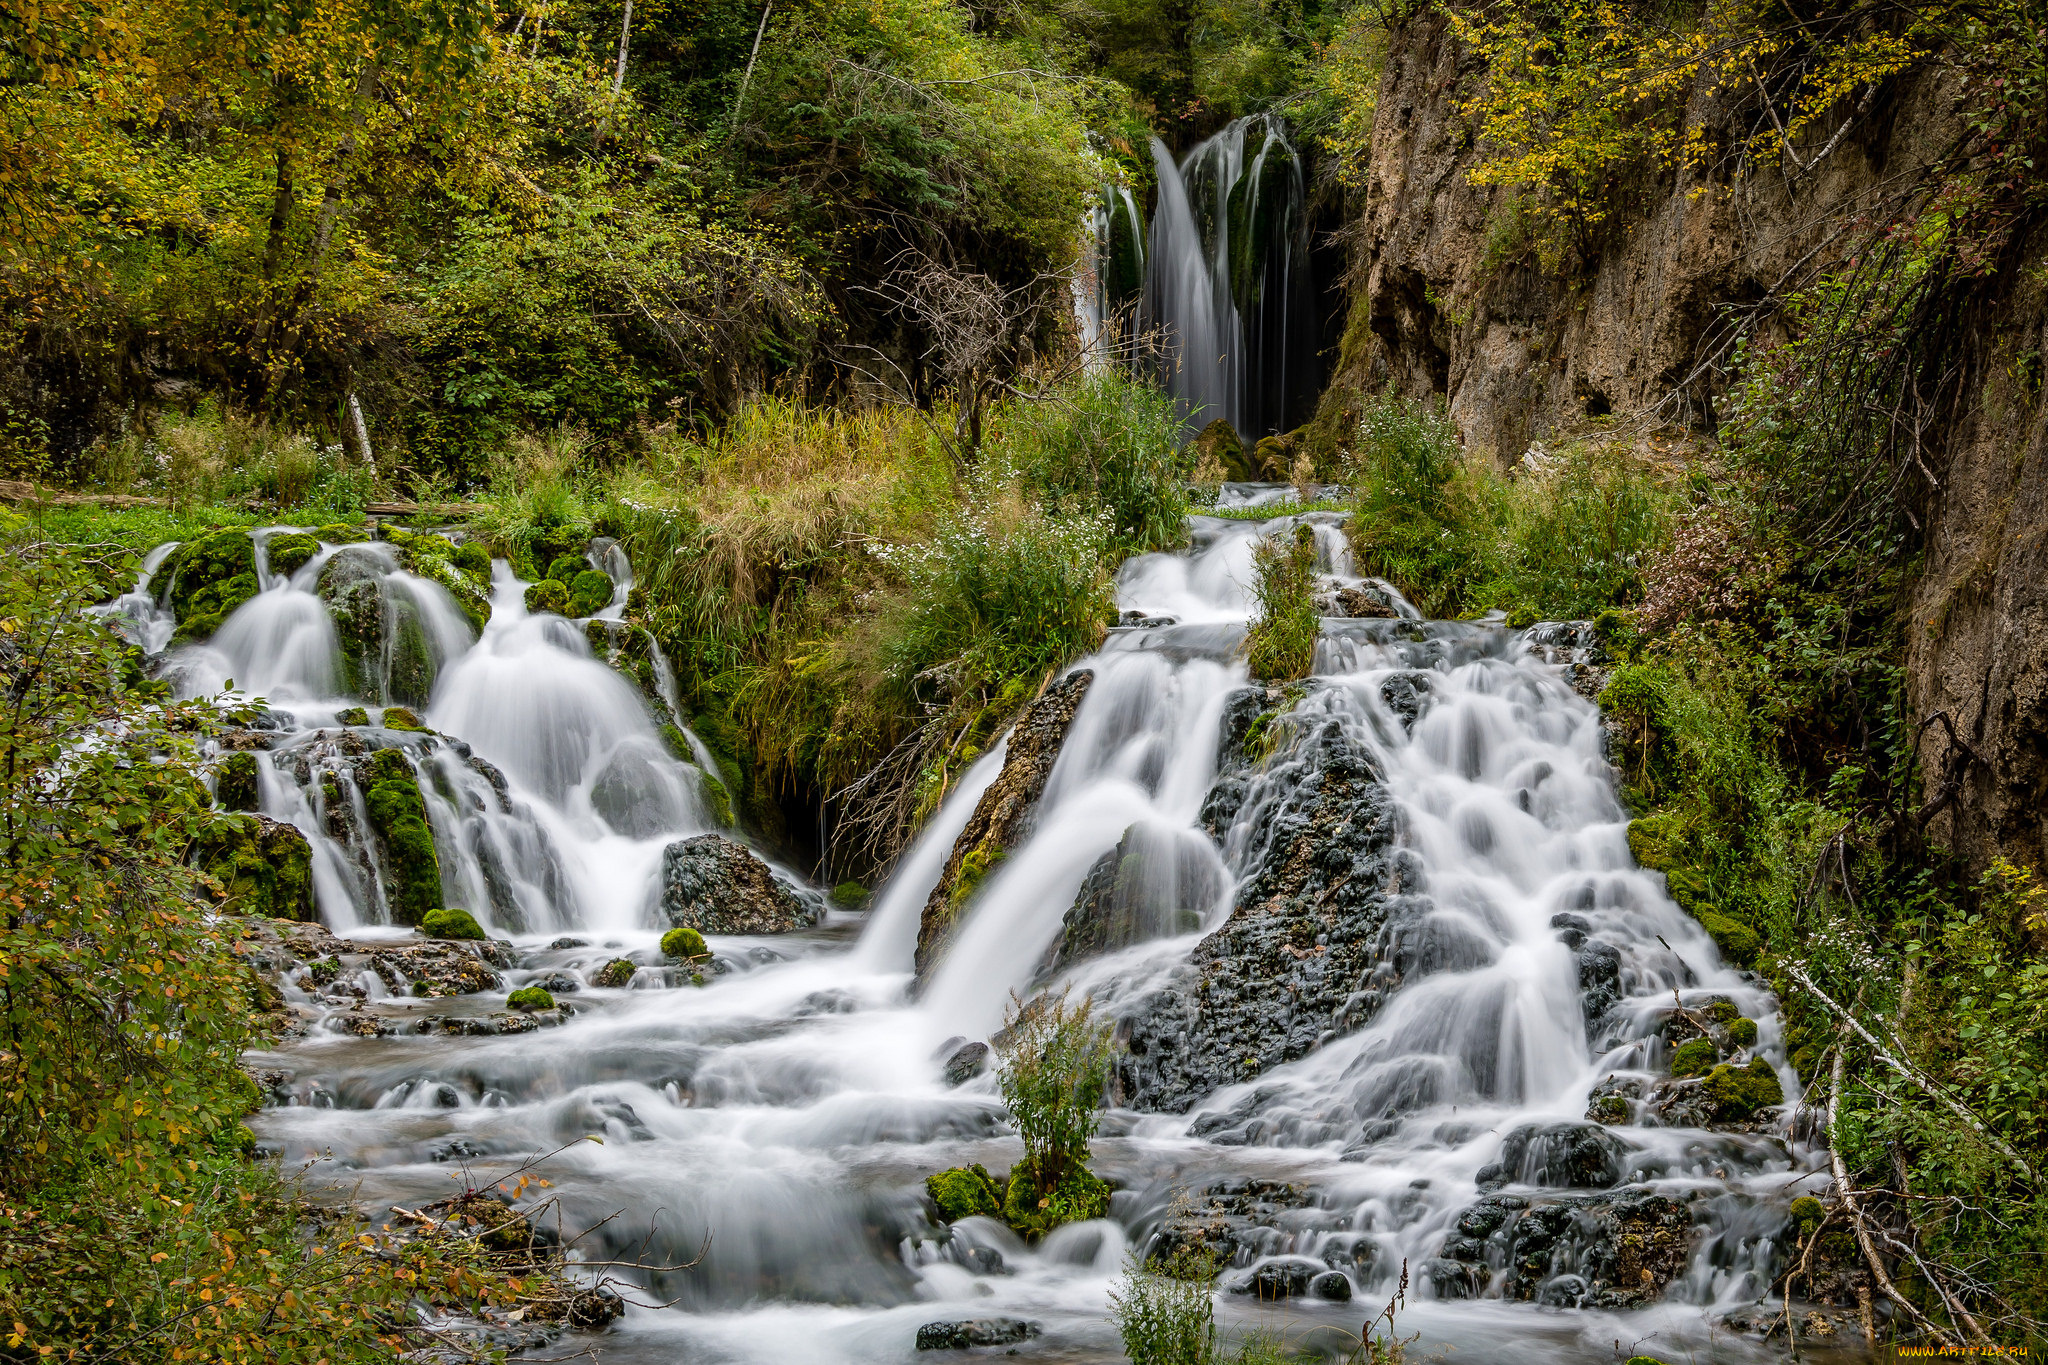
(352, 586)
(1562, 1156)
(264, 866)
(1155, 883)
(1218, 454)
(1603, 1251)
(1286, 969)
(715, 886)
(1003, 815)
(207, 579)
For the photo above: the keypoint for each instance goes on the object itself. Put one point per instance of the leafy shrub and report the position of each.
(1281, 641)
(1167, 1317)
(1055, 1066)
(1578, 533)
(1111, 442)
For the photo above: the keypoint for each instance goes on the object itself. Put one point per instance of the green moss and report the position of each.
(412, 870)
(450, 924)
(1694, 1058)
(342, 533)
(402, 718)
(527, 999)
(1742, 1033)
(684, 945)
(589, 593)
(616, 974)
(288, 551)
(235, 784)
(1739, 1092)
(208, 607)
(1738, 942)
(974, 869)
(473, 560)
(265, 867)
(1522, 616)
(850, 895)
(1807, 1213)
(1609, 1109)
(965, 1192)
(1032, 1211)
(548, 595)
(1722, 1010)
(565, 567)
(198, 569)
(352, 715)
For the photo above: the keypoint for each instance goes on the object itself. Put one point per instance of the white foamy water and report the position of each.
(788, 1110)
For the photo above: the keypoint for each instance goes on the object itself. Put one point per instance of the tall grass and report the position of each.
(216, 455)
(1111, 443)
(1281, 643)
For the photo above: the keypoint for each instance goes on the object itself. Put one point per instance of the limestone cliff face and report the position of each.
(1448, 297)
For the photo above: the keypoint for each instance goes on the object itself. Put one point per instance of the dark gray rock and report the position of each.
(959, 1336)
(964, 1063)
(1239, 1221)
(1605, 1251)
(1286, 969)
(1154, 884)
(1561, 1156)
(1333, 1286)
(716, 886)
(1286, 1277)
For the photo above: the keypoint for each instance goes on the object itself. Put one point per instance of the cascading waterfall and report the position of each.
(1497, 962)
(1112, 274)
(1227, 279)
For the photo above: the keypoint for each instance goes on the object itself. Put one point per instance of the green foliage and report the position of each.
(1110, 442)
(412, 881)
(235, 782)
(1055, 1067)
(1281, 642)
(965, 1192)
(527, 999)
(450, 924)
(264, 867)
(684, 945)
(1168, 1316)
(1419, 520)
(1695, 1057)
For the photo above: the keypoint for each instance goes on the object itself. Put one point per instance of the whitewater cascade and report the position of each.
(1227, 279)
(1503, 963)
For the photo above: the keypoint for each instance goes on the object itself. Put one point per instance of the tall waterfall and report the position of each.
(1227, 278)
(1480, 962)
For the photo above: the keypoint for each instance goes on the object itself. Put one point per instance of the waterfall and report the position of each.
(1374, 944)
(1227, 280)
(1112, 274)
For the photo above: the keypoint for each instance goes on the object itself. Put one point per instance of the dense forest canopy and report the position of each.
(778, 299)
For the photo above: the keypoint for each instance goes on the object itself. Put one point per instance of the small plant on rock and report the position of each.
(1167, 1316)
(1281, 643)
(1055, 1068)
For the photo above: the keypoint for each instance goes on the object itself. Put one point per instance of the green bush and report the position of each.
(1168, 1317)
(965, 1192)
(1281, 642)
(1423, 519)
(1109, 442)
(527, 999)
(450, 924)
(1055, 1066)
(684, 945)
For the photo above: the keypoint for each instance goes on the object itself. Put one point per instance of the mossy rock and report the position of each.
(199, 571)
(1032, 1212)
(965, 1192)
(1694, 1058)
(616, 974)
(352, 715)
(850, 896)
(1219, 443)
(548, 595)
(527, 999)
(409, 665)
(975, 868)
(265, 867)
(351, 584)
(1609, 1109)
(1739, 1092)
(473, 560)
(1722, 1010)
(450, 924)
(684, 945)
(206, 609)
(1737, 941)
(1807, 1214)
(564, 568)
(288, 552)
(342, 533)
(402, 718)
(412, 869)
(1273, 458)
(1742, 1033)
(235, 782)
(590, 592)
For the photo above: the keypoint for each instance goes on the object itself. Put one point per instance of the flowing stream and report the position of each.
(776, 1123)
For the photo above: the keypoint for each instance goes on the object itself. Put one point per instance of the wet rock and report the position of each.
(1564, 1156)
(1332, 1286)
(1363, 602)
(1285, 970)
(351, 584)
(1407, 696)
(1154, 884)
(1138, 620)
(716, 886)
(1622, 1249)
(397, 811)
(558, 983)
(1450, 1279)
(1614, 1100)
(207, 579)
(593, 1308)
(561, 943)
(1235, 1222)
(964, 1063)
(1281, 1278)
(1599, 982)
(1003, 815)
(615, 975)
(441, 967)
(959, 1336)
(265, 867)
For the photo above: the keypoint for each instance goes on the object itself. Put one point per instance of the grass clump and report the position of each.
(1168, 1316)
(1281, 642)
